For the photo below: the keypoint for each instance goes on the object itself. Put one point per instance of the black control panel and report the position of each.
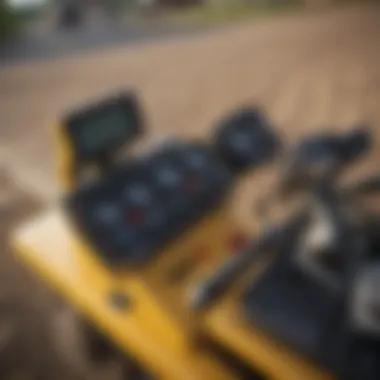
(140, 206)
(135, 208)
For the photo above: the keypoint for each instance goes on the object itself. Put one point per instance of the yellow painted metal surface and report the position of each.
(157, 327)
(65, 164)
(160, 337)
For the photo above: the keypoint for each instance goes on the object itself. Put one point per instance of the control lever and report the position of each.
(368, 186)
(318, 159)
(323, 251)
(216, 286)
(355, 143)
(365, 301)
(322, 158)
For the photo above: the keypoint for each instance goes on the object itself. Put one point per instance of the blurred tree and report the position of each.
(9, 21)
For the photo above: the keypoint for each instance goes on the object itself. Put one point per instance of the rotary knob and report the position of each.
(168, 177)
(138, 195)
(107, 214)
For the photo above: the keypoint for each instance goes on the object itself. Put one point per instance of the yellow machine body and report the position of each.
(145, 310)
(156, 326)
(65, 160)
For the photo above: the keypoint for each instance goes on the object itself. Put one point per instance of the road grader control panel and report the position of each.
(140, 207)
(146, 248)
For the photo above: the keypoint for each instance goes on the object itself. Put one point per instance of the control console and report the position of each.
(134, 207)
(142, 205)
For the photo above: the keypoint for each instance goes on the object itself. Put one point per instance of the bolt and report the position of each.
(118, 300)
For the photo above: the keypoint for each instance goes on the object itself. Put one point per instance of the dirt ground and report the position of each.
(24, 302)
(316, 71)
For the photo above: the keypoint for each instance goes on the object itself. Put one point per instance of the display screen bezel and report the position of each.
(74, 123)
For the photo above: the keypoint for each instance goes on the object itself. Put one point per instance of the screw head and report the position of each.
(119, 300)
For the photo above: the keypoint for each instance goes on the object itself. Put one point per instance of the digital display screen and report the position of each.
(104, 127)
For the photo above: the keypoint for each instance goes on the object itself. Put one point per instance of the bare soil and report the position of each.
(24, 303)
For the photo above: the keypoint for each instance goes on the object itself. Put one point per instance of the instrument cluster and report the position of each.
(142, 205)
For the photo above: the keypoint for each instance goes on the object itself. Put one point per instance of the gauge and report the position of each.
(195, 160)
(138, 194)
(168, 177)
(107, 213)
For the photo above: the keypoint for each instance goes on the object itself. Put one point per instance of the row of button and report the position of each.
(129, 216)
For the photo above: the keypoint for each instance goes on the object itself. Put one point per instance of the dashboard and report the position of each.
(140, 206)
(137, 207)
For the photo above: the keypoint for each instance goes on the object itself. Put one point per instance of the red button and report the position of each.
(239, 242)
(192, 184)
(135, 217)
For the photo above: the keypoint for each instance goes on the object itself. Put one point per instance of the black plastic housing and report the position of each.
(245, 139)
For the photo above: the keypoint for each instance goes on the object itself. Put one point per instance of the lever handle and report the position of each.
(216, 286)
